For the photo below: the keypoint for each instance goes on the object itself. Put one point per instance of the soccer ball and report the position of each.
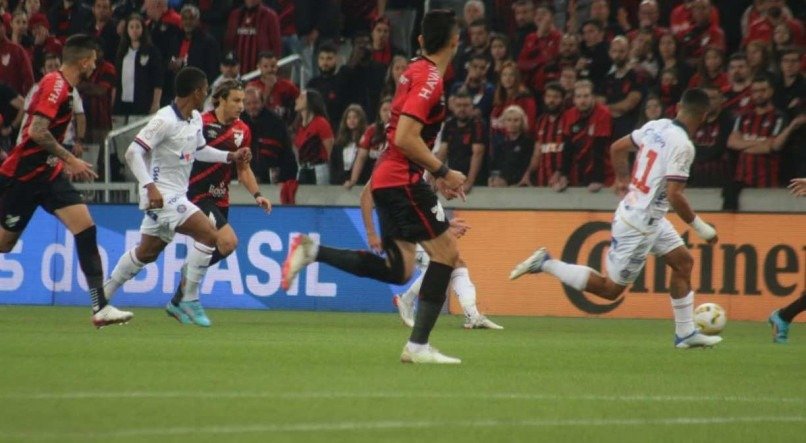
(710, 318)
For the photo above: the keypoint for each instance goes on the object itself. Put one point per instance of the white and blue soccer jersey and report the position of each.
(171, 142)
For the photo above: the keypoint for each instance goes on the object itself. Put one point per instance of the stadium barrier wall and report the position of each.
(758, 265)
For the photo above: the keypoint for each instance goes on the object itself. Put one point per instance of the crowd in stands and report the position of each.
(537, 92)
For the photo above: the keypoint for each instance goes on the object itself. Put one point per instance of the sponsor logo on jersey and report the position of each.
(238, 136)
(219, 191)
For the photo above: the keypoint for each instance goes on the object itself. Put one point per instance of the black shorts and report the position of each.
(410, 213)
(217, 214)
(19, 200)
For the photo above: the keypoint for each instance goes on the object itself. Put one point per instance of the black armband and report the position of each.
(442, 171)
(257, 194)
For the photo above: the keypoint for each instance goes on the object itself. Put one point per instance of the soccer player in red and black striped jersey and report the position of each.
(759, 136)
(209, 182)
(38, 171)
(547, 158)
(407, 208)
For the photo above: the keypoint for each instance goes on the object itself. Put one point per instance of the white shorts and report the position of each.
(162, 222)
(629, 248)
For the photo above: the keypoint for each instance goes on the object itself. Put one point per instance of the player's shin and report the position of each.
(575, 276)
(198, 261)
(465, 290)
(684, 315)
(432, 297)
(365, 263)
(127, 267)
(90, 261)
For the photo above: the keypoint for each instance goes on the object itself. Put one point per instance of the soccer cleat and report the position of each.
(195, 311)
(480, 322)
(780, 328)
(301, 253)
(177, 313)
(696, 340)
(406, 310)
(531, 265)
(427, 354)
(110, 315)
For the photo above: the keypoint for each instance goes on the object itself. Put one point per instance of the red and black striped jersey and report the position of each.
(211, 180)
(759, 170)
(586, 138)
(738, 102)
(711, 166)
(53, 101)
(549, 143)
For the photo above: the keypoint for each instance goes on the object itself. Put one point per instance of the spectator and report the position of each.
(472, 11)
(702, 35)
(358, 16)
(544, 167)
(273, 159)
(568, 78)
(600, 11)
(392, 79)
(229, 69)
(621, 90)
(68, 17)
(98, 92)
(782, 38)
(11, 54)
(670, 91)
(539, 48)
(20, 32)
(361, 79)
(642, 58)
(587, 131)
(648, 15)
(712, 166)
(524, 17)
(140, 71)
(511, 154)
(771, 16)
(510, 91)
(44, 44)
(682, 18)
(669, 58)
(345, 147)
(197, 48)
(499, 53)
(382, 50)
(278, 93)
(464, 141)
(313, 139)
(478, 44)
(481, 91)
(758, 58)
(12, 108)
(372, 143)
(737, 99)
(594, 61)
(104, 29)
(759, 136)
(651, 110)
(790, 90)
(165, 27)
(31, 7)
(252, 29)
(710, 71)
(568, 56)
(327, 82)
(214, 15)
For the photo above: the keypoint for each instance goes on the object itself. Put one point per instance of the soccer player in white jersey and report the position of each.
(665, 154)
(161, 158)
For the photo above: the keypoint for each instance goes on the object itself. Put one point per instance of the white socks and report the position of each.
(128, 266)
(684, 315)
(465, 290)
(411, 294)
(198, 260)
(575, 276)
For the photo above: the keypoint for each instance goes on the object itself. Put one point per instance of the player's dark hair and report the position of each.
(555, 86)
(265, 54)
(78, 46)
(763, 78)
(695, 101)
(223, 89)
(438, 27)
(188, 80)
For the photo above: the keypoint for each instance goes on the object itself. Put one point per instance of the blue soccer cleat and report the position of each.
(177, 313)
(780, 327)
(195, 311)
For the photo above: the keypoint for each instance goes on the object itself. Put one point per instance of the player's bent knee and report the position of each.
(227, 245)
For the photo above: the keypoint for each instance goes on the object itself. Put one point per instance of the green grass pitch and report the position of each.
(331, 377)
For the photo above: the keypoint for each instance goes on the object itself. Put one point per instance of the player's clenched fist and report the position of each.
(242, 155)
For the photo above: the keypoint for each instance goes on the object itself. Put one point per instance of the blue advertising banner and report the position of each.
(43, 268)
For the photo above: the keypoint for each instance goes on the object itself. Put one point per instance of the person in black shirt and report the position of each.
(11, 112)
(621, 89)
(713, 164)
(511, 155)
(327, 82)
(464, 141)
(361, 79)
(197, 47)
(523, 12)
(594, 61)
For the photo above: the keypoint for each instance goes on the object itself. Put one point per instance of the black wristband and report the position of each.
(257, 194)
(441, 172)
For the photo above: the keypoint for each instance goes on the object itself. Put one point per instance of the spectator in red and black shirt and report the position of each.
(540, 47)
(104, 29)
(648, 15)
(710, 71)
(510, 154)
(738, 99)
(759, 136)
(773, 15)
(44, 44)
(510, 91)
(313, 139)
(712, 165)
(97, 92)
(372, 143)
(252, 29)
(790, 89)
(197, 47)
(68, 17)
(278, 93)
(547, 159)
(20, 32)
(523, 15)
(568, 55)
(621, 90)
(703, 35)
(382, 50)
(587, 131)
(464, 141)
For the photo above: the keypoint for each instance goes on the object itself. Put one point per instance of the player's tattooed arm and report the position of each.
(40, 133)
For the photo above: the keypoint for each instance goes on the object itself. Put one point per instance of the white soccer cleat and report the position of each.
(111, 315)
(427, 354)
(481, 322)
(406, 310)
(696, 340)
(301, 253)
(531, 265)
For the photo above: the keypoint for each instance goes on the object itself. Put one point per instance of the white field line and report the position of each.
(309, 427)
(79, 395)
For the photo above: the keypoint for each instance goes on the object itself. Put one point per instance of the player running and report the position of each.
(209, 182)
(408, 209)
(38, 171)
(460, 277)
(161, 157)
(640, 227)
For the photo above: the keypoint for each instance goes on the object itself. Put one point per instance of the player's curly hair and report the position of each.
(223, 89)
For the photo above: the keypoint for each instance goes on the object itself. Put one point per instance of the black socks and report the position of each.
(433, 294)
(90, 261)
